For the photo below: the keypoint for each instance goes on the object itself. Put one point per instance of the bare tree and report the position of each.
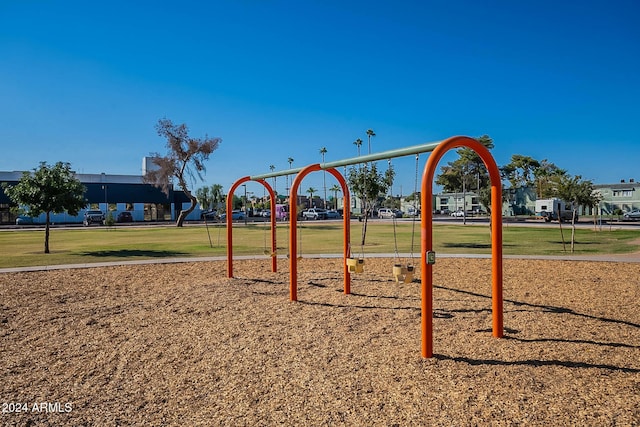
(577, 192)
(184, 160)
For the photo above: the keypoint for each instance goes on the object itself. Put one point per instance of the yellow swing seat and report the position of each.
(356, 265)
(403, 273)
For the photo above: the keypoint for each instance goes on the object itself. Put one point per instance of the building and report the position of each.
(452, 202)
(623, 196)
(111, 194)
(616, 198)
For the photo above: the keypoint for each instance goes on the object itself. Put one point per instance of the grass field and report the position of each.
(87, 245)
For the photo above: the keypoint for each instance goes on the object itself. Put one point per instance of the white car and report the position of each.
(389, 213)
(458, 213)
(634, 215)
(314, 213)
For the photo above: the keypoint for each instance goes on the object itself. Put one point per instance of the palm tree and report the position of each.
(214, 197)
(370, 133)
(335, 188)
(217, 194)
(272, 168)
(358, 143)
(311, 190)
(204, 197)
(290, 160)
(323, 151)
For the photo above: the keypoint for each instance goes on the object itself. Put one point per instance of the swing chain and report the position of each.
(415, 210)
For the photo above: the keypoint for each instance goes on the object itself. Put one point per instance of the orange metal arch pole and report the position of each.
(293, 232)
(274, 261)
(426, 238)
(346, 220)
(274, 244)
(230, 223)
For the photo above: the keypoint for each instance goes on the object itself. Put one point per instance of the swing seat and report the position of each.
(408, 277)
(269, 253)
(356, 265)
(403, 273)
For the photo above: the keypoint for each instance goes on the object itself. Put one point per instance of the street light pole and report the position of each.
(106, 206)
(464, 195)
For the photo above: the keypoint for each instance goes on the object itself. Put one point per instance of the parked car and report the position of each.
(93, 217)
(235, 215)
(314, 213)
(633, 215)
(24, 220)
(124, 217)
(458, 213)
(413, 211)
(389, 213)
(209, 215)
(266, 213)
(331, 214)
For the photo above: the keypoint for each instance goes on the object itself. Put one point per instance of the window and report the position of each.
(5, 213)
(164, 211)
(622, 193)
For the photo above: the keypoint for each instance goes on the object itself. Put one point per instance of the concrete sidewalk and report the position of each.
(633, 258)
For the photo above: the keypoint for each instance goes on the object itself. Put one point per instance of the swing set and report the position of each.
(401, 272)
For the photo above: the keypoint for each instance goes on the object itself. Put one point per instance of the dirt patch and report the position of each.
(181, 344)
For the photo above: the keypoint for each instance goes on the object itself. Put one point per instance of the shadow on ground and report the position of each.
(131, 253)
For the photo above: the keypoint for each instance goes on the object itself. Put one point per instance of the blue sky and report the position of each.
(86, 82)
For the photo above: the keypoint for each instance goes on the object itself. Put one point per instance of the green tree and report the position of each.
(367, 184)
(466, 172)
(48, 189)
(203, 194)
(544, 175)
(184, 160)
(520, 172)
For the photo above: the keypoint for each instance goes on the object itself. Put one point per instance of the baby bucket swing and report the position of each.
(267, 251)
(356, 265)
(404, 272)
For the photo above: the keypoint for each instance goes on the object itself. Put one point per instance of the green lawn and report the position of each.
(88, 245)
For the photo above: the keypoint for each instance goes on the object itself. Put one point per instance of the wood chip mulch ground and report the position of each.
(183, 345)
